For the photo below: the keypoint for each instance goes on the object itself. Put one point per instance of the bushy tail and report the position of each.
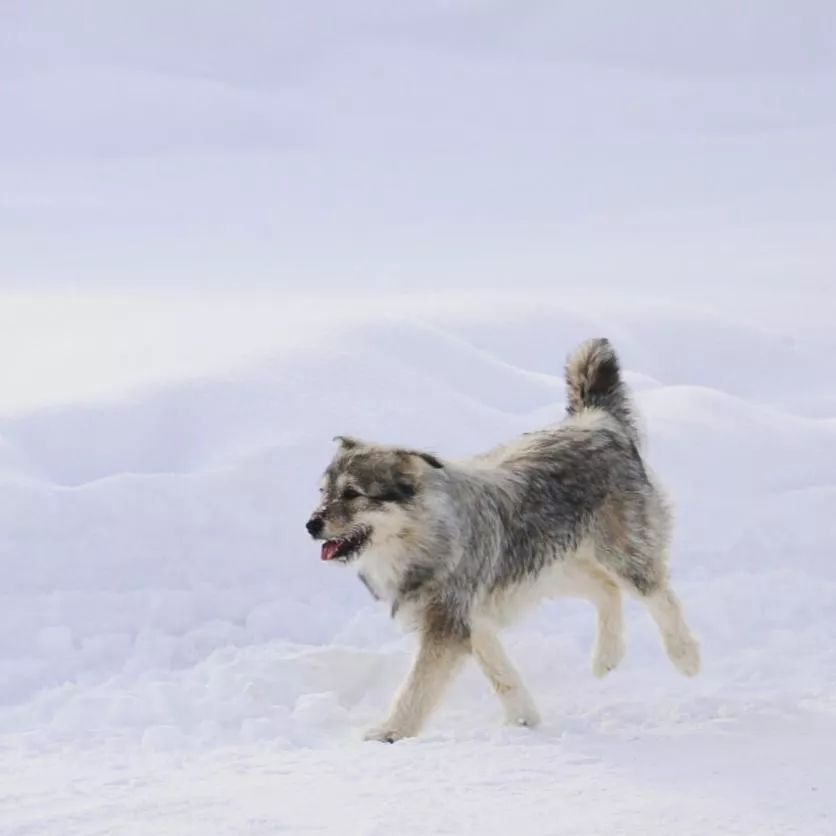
(593, 380)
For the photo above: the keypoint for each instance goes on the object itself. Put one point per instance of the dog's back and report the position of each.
(537, 500)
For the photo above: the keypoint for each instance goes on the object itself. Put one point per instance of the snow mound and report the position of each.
(329, 384)
(159, 587)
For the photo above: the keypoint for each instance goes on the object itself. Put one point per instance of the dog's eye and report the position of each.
(350, 493)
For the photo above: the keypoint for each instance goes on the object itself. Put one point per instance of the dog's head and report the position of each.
(367, 493)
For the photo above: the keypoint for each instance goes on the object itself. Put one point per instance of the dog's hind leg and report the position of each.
(437, 661)
(605, 594)
(647, 579)
(682, 647)
(504, 678)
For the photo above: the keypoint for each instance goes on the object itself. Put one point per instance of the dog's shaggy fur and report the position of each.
(460, 549)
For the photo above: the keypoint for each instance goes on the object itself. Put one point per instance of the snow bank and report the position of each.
(159, 586)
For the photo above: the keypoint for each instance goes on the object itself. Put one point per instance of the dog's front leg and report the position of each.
(505, 680)
(437, 661)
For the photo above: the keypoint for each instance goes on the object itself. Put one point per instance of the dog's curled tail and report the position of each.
(593, 381)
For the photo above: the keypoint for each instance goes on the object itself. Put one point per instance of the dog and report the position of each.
(460, 549)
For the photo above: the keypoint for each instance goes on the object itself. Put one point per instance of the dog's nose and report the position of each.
(315, 525)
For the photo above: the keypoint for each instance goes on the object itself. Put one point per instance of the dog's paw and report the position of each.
(521, 712)
(385, 734)
(685, 655)
(530, 718)
(607, 657)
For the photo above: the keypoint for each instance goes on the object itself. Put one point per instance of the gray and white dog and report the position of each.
(461, 549)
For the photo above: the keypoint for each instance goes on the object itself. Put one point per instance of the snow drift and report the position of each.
(157, 572)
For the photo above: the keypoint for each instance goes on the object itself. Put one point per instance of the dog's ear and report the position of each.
(347, 442)
(431, 459)
(400, 472)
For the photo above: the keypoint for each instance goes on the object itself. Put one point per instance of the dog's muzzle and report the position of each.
(315, 525)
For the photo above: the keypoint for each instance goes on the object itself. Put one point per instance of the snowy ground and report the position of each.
(175, 658)
(229, 232)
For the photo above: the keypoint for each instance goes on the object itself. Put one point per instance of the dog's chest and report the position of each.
(381, 575)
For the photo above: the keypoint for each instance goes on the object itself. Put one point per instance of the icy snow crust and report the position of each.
(161, 601)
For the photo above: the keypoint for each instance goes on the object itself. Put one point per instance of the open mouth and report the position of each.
(344, 548)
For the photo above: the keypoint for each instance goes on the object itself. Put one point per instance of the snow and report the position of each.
(174, 654)
(265, 231)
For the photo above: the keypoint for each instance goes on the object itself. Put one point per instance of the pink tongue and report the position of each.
(330, 548)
